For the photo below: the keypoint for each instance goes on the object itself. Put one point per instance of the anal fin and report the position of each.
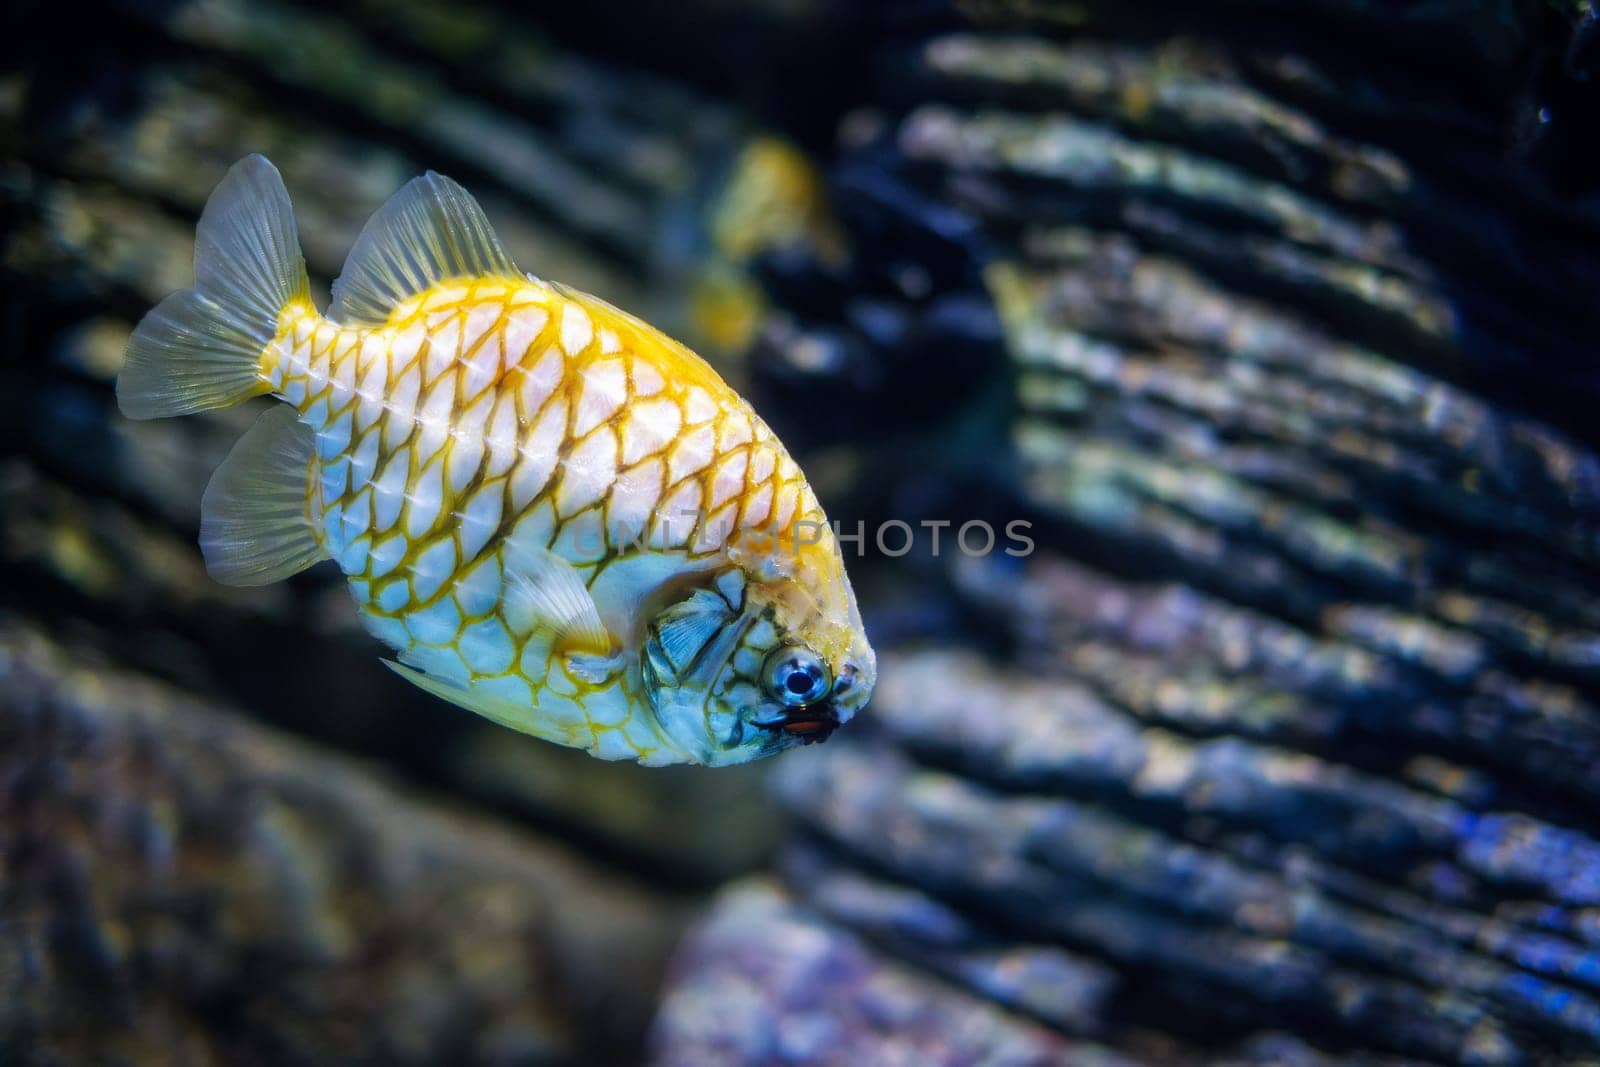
(513, 716)
(256, 521)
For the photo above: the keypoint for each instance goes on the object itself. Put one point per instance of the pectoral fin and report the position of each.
(545, 592)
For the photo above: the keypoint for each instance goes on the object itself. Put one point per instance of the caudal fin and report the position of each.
(201, 348)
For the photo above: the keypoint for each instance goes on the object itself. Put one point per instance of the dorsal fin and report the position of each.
(430, 231)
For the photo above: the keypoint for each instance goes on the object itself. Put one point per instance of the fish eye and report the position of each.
(796, 677)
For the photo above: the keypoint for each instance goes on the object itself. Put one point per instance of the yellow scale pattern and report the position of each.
(494, 412)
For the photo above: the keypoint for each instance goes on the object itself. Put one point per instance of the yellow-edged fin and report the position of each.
(545, 592)
(258, 519)
(202, 348)
(685, 363)
(429, 232)
(519, 717)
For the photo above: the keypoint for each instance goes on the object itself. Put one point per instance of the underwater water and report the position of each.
(1204, 397)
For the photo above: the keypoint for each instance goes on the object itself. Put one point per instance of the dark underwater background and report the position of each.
(1276, 322)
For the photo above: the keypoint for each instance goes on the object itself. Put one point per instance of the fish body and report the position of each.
(554, 514)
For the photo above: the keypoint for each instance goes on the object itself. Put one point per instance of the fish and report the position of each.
(553, 514)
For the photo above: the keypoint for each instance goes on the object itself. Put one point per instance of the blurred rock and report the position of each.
(764, 982)
(184, 885)
(676, 824)
(1281, 745)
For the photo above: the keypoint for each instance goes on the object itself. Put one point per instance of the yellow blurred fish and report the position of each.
(557, 516)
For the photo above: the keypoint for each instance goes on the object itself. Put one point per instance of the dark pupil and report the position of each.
(800, 681)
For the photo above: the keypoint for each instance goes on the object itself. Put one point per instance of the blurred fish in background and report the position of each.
(1274, 323)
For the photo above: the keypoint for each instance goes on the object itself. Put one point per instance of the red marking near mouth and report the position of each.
(810, 725)
(811, 730)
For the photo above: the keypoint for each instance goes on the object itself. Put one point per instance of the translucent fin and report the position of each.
(201, 348)
(545, 592)
(430, 231)
(513, 716)
(256, 522)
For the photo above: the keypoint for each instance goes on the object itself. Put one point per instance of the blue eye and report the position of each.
(796, 677)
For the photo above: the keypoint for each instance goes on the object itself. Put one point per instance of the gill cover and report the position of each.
(686, 647)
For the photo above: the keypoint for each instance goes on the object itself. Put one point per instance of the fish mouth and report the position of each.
(809, 725)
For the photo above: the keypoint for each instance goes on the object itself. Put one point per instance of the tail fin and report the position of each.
(201, 348)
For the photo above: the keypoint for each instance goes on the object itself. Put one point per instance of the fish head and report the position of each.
(755, 663)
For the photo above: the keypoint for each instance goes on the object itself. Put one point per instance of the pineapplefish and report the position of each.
(556, 516)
